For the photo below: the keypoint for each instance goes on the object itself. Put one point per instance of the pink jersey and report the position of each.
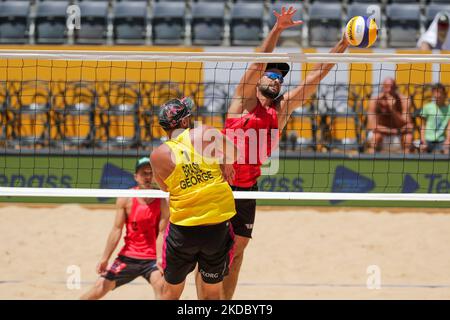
(248, 170)
(142, 230)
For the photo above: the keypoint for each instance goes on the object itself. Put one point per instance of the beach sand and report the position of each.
(295, 253)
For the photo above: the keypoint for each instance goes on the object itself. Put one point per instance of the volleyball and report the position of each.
(361, 31)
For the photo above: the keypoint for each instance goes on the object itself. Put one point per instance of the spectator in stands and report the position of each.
(388, 115)
(438, 35)
(435, 131)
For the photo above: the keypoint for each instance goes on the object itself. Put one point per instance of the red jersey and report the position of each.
(257, 145)
(142, 230)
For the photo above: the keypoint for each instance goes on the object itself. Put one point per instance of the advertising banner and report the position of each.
(294, 175)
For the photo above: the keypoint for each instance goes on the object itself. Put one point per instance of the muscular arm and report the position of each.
(162, 165)
(163, 221)
(116, 231)
(245, 95)
(296, 98)
(216, 145)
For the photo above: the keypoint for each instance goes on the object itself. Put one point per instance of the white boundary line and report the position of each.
(261, 195)
(154, 56)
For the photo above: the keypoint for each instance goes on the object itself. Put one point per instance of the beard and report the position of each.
(267, 92)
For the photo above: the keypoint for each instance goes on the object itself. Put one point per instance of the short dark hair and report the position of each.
(439, 86)
(443, 19)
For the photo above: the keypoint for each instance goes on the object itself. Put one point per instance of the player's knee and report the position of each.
(103, 285)
(212, 295)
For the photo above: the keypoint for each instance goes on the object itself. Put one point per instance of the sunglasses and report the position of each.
(274, 76)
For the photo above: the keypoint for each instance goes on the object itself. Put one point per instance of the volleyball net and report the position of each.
(75, 122)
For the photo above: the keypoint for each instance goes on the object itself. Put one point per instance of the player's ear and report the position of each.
(185, 123)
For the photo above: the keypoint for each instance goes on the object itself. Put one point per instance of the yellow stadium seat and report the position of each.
(300, 130)
(344, 131)
(4, 112)
(74, 112)
(120, 117)
(31, 107)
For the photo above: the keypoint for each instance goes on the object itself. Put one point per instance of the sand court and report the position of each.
(296, 253)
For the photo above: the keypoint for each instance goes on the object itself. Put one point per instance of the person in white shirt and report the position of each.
(438, 34)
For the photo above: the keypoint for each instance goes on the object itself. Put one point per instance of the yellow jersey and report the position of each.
(198, 193)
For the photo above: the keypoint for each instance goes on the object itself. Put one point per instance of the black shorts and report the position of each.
(433, 146)
(245, 213)
(209, 246)
(125, 269)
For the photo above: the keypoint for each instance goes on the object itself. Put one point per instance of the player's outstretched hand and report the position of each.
(284, 19)
(102, 267)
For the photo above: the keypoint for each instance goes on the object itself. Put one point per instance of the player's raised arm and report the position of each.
(245, 95)
(295, 98)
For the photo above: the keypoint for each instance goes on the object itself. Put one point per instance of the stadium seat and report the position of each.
(30, 109)
(151, 130)
(295, 33)
(358, 9)
(344, 131)
(365, 1)
(433, 9)
(208, 23)
(168, 23)
(74, 109)
(94, 23)
(50, 22)
(403, 1)
(120, 119)
(130, 22)
(212, 109)
(14, 21)
(247, 23)
(403, 24)
(301, 129)
(4, 117)
(324, 23)
(326, 1)
(213, 97)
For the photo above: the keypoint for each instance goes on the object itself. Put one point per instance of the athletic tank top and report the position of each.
(142, 230)
(198, 193)
(248, 168)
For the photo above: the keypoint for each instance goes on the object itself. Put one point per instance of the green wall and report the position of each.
(307, 175)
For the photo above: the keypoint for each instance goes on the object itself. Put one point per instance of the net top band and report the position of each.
(154, 56)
